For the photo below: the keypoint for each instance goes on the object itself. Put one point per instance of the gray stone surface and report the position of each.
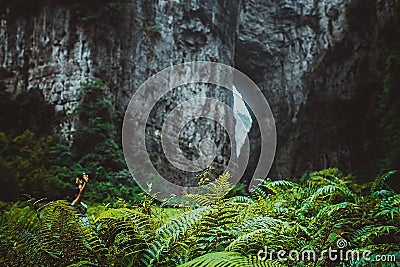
(303, 54)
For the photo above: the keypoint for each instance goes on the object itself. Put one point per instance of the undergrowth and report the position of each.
(310, 213)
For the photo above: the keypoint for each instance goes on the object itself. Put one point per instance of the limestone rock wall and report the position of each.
(320, 64)
(307, 56)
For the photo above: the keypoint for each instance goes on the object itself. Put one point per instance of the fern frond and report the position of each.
(389, 207)
(367, 233)
(230, 259)
(217, 229)
(243, 199)
(213, 192)
(329, 211)
(125, 233)
(279, 185)
(169, 234)
(380, 180)
(63, 232)
(258, 222)
(258, 194)
(253, 240)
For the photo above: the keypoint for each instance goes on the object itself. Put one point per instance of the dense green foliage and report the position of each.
(313, 212)
(95, 149)
(37, 162)
(95, 143)
(27, 161)
(27, 166)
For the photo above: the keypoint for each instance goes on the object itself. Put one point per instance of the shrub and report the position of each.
(313, 212)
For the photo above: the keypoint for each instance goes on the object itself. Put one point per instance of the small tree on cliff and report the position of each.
(95, 146)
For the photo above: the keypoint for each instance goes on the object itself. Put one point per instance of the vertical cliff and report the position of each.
(320, 64)
(316, 62)
(58, 45)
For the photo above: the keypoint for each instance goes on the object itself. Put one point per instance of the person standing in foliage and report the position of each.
(81, 184)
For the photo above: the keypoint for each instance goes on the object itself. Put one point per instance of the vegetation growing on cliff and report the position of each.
(35, 160)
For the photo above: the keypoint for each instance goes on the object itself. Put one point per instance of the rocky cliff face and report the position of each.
(279, 42)
(320, 64)
(312, 59)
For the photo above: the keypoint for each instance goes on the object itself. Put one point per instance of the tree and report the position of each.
(95, 146)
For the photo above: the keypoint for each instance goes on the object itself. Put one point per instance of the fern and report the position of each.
(213, 192)
(366, 234)
(243, 199)
(380, 180)
(168, 237)
(125, 234)
(277, 186)
(258, 194)
(217, 227)
(230, 259)
(311, 213)
(62, 230)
